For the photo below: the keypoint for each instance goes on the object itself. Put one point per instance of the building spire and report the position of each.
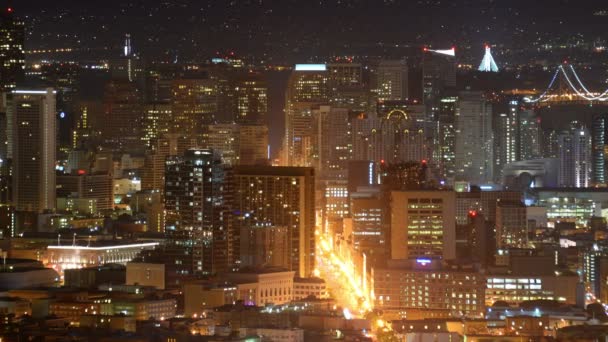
(127, 48)
(487, 63)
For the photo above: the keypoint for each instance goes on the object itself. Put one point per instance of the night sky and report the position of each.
(282, 30)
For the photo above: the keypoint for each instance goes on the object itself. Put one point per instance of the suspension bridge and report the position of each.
(566, 87)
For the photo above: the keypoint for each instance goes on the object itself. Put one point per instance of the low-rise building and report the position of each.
(113, 323)
(515, 289)
(309, 287)
(16, 307)
(143, 309)
(425, 289)
(274, 335)
(199, 296)
(148, 274)
(263, 286)
(92, 277)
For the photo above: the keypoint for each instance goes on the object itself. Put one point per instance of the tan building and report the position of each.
(73, 310)
(146, 274)
(260, 287)
(200, 296)
(309, 287)
(275, 335)
(423, 225)
(143, 309)
(423, 289)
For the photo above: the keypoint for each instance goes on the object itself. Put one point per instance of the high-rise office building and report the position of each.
(252, 100)
(506, 136)
(153, 174)
(267, 197)
(599, 126)
(575, 169)
(225, 140)
(444, 151)
(12, 55)
(474, 139)
(511, 225)
(332, 148)
(238, 144)
(194, 200)
(254, 145)
(194, 104)
(157, 120)
(82, 185)
(123, 113)
(423, 225)
(369, 224)
(438, 74)
(345, 75)
(32, 147)
(391, 80)
(529, 134)
(398, 135)
(308, 87)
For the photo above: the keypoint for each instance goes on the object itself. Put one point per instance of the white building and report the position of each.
(575, 169)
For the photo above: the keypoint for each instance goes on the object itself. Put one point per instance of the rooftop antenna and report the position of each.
(127, 48)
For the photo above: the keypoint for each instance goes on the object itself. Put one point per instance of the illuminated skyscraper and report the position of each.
(347, 86)
(308, 87)
(369, 232)
(446, 138)
(32, 145)
(391, 80)
(332, 148)
(529, 135)
(266, 198)
(575, 157)
(12, 56)
(194, 104)
(474, 139)
(157, 119)
(195, 207)
(599, 126)
(423, 225)
(224, 139)
(506, 136)
(252, 100)
(238, 144)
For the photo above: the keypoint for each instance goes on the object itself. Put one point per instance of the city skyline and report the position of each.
(263, 171)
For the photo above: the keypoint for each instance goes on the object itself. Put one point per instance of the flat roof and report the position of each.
(105, 247)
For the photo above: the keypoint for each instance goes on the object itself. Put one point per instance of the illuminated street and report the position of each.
(342, 281)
